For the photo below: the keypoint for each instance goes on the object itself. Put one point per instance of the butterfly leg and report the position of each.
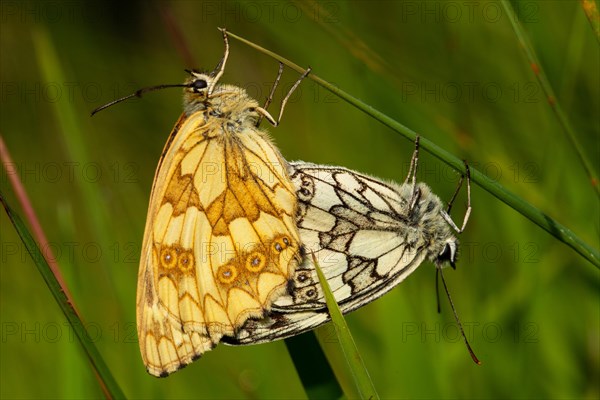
(289, 94)
(220, 68)
(270, 98)
(468, 212)
(412, 174)
(412, 169)
(446, 215)
(268, 116)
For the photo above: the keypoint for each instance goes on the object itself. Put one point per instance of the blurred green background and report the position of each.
(452, 71)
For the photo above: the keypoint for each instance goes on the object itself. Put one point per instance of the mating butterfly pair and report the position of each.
(230, 223)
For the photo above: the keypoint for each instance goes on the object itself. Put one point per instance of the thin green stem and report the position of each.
(544, 221)
(107, 381)
(31, 217)
(73, 136)
(544, 83)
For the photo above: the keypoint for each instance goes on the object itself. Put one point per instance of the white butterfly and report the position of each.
(367, 235)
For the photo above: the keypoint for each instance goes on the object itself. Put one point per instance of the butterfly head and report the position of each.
(432, 220)
(448, 253)
(200, 84)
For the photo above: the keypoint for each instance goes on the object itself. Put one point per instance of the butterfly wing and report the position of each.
(365, 241)
(220, 241)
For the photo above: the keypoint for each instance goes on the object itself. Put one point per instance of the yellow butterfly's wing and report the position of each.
(220, 242)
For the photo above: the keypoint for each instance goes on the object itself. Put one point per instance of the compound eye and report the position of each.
(199, 84)
(448, 254)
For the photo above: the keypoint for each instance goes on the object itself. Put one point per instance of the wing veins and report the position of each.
(245, 163)
(368, 205)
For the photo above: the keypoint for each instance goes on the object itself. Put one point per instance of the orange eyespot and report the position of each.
(186, 261)
(227, 273)
(168, 258)
(255, 262)
(281, 243)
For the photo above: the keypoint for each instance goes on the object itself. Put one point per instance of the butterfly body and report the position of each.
(220, 243)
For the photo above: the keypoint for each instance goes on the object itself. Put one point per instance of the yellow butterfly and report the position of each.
(220, 243)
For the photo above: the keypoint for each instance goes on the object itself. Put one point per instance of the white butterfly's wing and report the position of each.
(364, 237)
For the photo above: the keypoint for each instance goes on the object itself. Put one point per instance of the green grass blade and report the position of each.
(551, 98)
(357, 366)
(74, 137)
(313, 368)
(111, 387)
(544, 221)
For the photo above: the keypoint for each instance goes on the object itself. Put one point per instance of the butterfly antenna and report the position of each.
(270, 98)
(437, 290)
(462, 331)
(138, 93)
